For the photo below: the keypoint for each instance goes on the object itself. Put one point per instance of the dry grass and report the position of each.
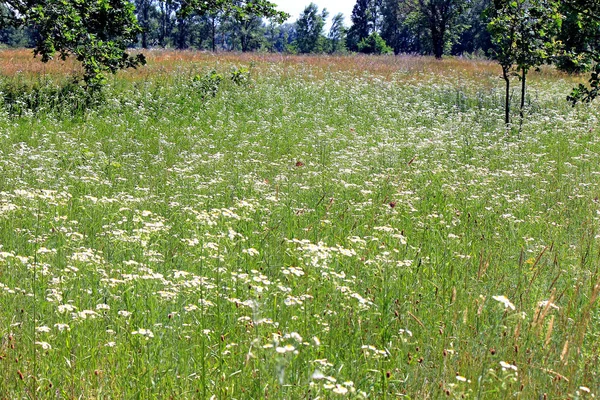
(165, 62)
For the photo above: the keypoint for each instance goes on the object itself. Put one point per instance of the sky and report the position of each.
(295, 8)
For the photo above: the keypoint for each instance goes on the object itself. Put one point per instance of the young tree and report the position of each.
(96, 33)
(309, 28)
(503, 29)
(538, 27)
(522, 35)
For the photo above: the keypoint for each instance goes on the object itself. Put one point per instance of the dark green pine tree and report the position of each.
(362, 23)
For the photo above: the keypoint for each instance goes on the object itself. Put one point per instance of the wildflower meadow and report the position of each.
(286, 227)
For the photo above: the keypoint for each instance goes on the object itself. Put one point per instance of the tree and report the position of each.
(404, 28)
(166, 15)
(538, 27)
(142, 8)
(309, 28)
(441, 16)
(96, 33)
(12, 36)
(503, 29)
(261, 8)
(474, 38)
(247, 28)
(362, 23)
(280, 38)
(522, 36)
(337, 34)
(222, 9)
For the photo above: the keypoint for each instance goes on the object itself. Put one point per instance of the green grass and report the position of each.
(317, 233)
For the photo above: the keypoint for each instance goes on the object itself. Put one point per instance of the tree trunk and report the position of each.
(145, 24)
(523, 76)
(214, 28)
(507, 97)
(437, 39)
(181, 35)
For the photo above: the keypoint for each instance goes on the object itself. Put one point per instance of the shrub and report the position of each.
(374, 44)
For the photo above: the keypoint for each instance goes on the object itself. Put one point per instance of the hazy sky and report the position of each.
(295, 8)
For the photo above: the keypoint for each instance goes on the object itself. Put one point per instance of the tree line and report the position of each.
(519, 34)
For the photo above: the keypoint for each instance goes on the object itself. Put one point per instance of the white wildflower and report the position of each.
(504, 301)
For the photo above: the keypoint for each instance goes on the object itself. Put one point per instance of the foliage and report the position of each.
(363, 22)
(240, 75)
(309, 30)
(207, 85)
(586, 14)
(580, 36)
(441, 17)
(337, 34)
(585, 93)
(522, 34)
(96, 33)
(374, 44)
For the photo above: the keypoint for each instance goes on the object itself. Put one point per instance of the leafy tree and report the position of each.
(280, 38)
(441, 16)
(309, 28)
(522, 35)
(363, 23)
(539, 25)
(143, 9)
(221, 10)
(337, 34)
(404, 27)
(96, 33)
(474, 38)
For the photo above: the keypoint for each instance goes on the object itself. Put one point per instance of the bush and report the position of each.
(208, 84)
(374, 44)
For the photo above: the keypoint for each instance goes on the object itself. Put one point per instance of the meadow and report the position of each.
(324, 227)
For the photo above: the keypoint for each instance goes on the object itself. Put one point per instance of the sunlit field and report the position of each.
(323, 227)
